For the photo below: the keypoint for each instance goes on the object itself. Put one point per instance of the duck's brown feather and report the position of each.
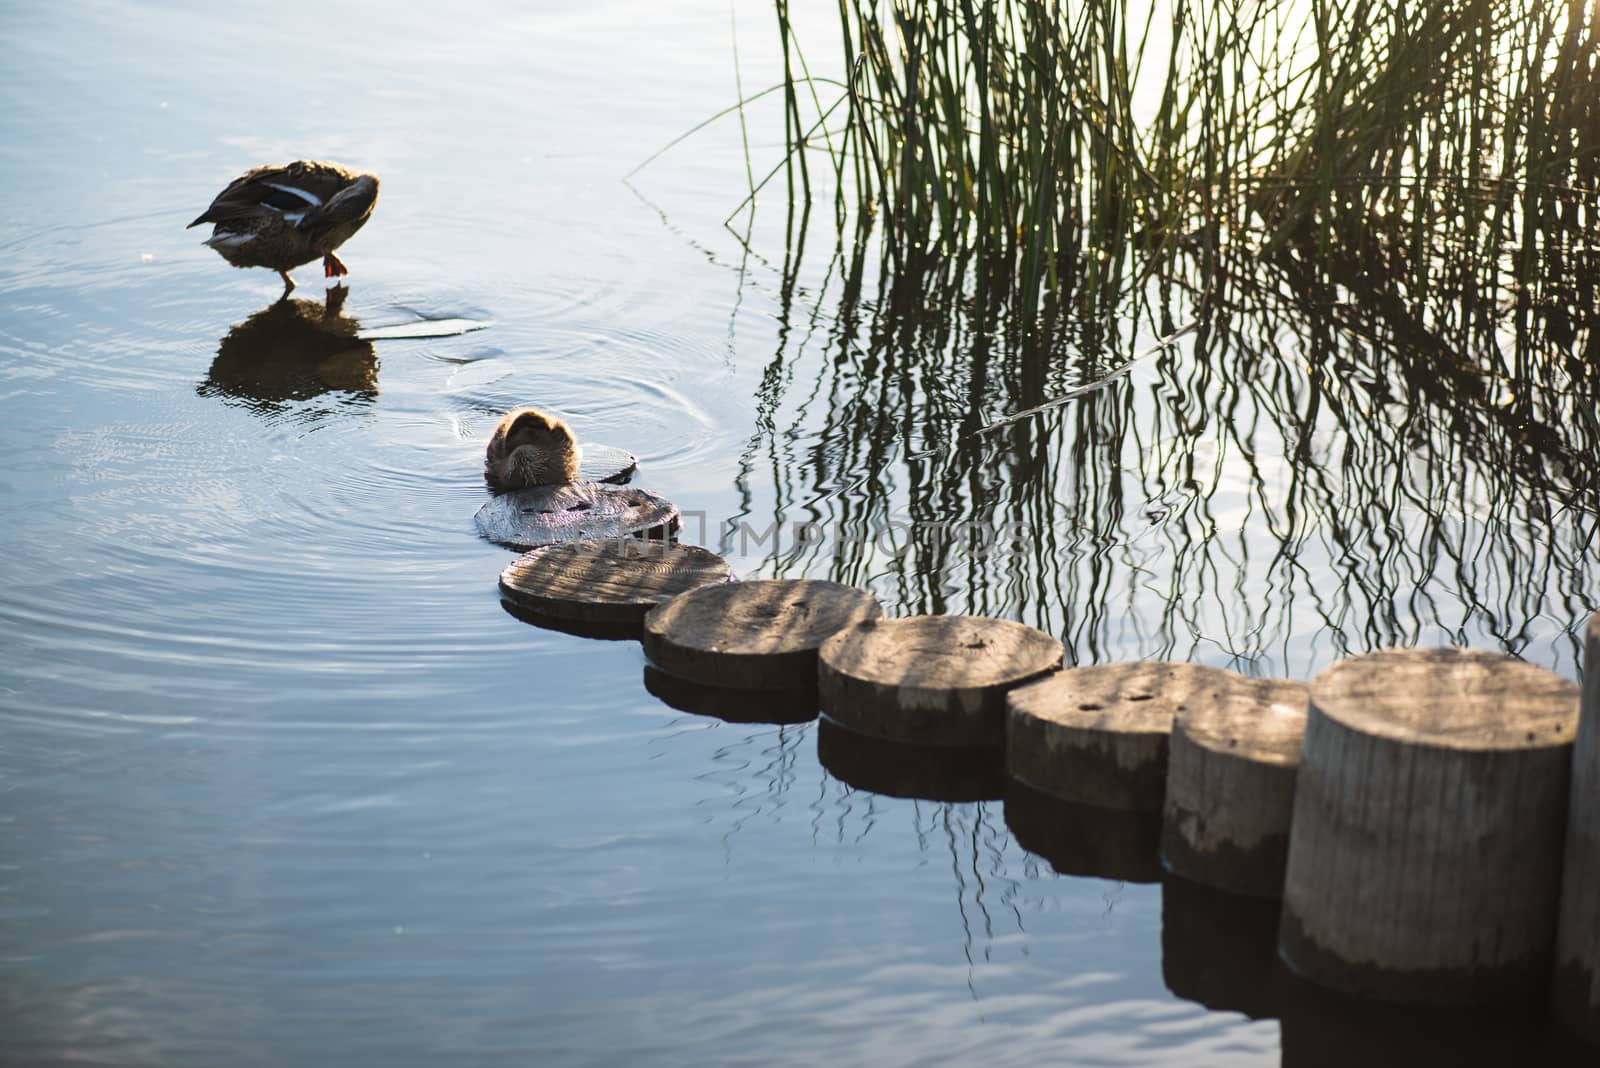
(284, 216)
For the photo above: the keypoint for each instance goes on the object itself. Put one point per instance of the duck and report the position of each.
(530, 448)
(288, 215)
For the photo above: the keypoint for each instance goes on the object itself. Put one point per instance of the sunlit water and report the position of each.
(283, 783)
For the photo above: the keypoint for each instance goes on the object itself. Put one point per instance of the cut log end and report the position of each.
(759, 635)
(1099, 735)
(613, 581)
(1450, 698)
(932, 680)
(1425, 848)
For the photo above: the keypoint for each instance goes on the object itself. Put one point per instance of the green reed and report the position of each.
(1380, 225)
(1048, 159)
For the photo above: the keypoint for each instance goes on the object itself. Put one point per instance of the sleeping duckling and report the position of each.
(282, 217)
(530, 448)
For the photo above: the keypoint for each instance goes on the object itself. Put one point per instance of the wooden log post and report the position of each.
(610, 582)
(1099, 735)
(1576, 991)
(757, 635)
(931, 680)
(1231, 772)
(547, 515)
(1425, 850)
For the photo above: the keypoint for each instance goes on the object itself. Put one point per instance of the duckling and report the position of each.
(282, 217)
(530, 448)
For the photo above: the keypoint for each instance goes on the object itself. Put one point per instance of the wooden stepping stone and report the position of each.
(1099, 735)
(917, 772)
(1231, 769)
(732, 706)
(756, 635)
(1084, 840)
(614, 581)
(1576, 992)
(1425, 853)
(547, 515)
(605, 463)
(932, 680)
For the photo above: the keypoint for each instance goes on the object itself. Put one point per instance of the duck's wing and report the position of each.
(351, 203)
(292, 191)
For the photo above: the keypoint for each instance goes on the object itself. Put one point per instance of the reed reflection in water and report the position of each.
(1259, 369)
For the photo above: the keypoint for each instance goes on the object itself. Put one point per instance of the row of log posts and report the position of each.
(1430, 818)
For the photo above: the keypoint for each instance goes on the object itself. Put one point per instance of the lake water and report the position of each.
(284, 784)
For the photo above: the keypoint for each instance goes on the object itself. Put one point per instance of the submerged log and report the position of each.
(756, 635)
(1231, 772)
(932, 680)
(1099, 735)
(1425, 851)
(780, 707)
(921, 772)
(1084, 840)
(1576, 991)
(1219, 949)
(547, 515)
(606, 463)
(612, 581)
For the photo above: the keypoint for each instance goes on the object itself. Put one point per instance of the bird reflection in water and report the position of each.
(294, 350)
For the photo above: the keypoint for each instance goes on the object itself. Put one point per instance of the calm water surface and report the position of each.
(284, 784)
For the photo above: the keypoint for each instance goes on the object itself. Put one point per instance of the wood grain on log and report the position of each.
(932, 680)
(1576, 991)
(546, 515)
(756, 635)
(607, 581)
(1099, 735)
(1231, 770)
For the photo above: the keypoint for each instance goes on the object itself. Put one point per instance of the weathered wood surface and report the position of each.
(731, 705)
(1099, 735)
(1084, 840)
(921, 772)
(1576, 991)
(607, 581)
(605, 463)
(1231, 769)
(547, 515)
(1219, 949)
(1425, 850)
(932, 680)
(757, 635)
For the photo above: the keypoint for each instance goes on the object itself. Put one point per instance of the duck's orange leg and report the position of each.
(288, 283)
(332, 267)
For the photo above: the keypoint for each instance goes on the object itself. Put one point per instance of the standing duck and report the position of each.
(530, 448)
(282, 217)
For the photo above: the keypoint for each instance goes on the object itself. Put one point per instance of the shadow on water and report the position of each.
(294, 350)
